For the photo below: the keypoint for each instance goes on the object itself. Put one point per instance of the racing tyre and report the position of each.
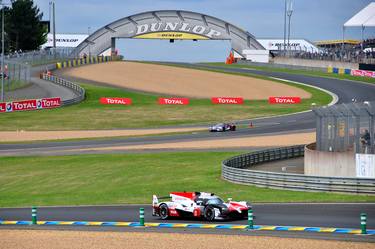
(164, 211)
(209, 213)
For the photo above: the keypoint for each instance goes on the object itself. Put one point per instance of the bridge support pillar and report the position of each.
(113, 46)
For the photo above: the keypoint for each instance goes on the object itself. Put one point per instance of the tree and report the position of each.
(23, 26)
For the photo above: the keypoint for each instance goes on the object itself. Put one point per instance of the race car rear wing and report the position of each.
(155, 199)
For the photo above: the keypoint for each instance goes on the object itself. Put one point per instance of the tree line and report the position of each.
(23, 27)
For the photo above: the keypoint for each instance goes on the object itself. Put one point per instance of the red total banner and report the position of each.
(49, 103)
(173, 101)
(115, 101)
(363, 73)
(24, 105)
(284, 100)
(227, 100)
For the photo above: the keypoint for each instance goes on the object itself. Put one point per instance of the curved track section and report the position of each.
(346, 90)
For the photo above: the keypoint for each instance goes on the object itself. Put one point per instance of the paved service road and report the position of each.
(312, 215)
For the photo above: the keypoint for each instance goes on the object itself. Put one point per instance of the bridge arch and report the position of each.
(171, 25)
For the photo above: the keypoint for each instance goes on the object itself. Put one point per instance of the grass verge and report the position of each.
(131, 178)
(145, 112)
(297, 71)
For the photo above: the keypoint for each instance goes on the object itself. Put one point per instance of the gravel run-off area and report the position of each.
(33, 239)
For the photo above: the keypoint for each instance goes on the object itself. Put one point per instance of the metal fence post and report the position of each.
(34, 219)
(142, 217)
(363, 223)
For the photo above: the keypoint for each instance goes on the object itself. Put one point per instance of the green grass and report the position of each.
(297, 71)
(145, 112)
(131, 178)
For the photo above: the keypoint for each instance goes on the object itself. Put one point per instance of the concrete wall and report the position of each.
(321, 163)
(314, 63)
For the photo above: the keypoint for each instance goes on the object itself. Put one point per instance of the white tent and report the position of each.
(364, 18)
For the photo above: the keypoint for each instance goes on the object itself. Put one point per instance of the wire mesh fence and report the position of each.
(346, 127)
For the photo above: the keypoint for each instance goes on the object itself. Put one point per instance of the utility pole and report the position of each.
(2, 51)
(54, 24)
(284, 27)
(289, 12)
(88, 32)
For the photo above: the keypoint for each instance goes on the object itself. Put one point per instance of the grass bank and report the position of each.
(145, 112)
(297, 71)
(131, 178)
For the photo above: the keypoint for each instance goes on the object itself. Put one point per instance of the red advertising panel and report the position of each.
(363, 73)
(227, 100)
(173, 101)
(357, 72)
(3, 107)
(115, 101)
(284, 100)
(24, 105)
(49, 103)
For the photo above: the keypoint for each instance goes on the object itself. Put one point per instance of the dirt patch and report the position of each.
(77, 239)
(262, 141)
(17, 136)
(176, 81)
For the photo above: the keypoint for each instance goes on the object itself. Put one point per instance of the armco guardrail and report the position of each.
(76, 88)
(236, 170)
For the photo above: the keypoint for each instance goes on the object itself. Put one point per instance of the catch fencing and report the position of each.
(346, 127)
(238, 170)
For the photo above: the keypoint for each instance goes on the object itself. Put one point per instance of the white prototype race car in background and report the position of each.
(200, 205)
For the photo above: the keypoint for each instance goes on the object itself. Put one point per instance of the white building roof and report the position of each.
(364, 18)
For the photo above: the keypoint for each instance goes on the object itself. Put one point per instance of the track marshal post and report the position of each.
(34, 219)
(363, 223)
(142, 217)
(250, 219)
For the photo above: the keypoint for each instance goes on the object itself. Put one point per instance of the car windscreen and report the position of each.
(215, 201)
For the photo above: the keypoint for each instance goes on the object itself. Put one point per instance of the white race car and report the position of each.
(200, 205)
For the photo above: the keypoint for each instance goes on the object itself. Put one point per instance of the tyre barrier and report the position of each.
(80, 91)
(86, 61)
(235, 170)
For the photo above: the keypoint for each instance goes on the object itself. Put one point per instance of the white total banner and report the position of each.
(365, 165)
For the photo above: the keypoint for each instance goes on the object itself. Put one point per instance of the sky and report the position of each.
(311, 19)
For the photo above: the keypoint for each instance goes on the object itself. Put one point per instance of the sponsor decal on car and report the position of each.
(115, 101)
(284, 100)
(173, 101)
(227, 100)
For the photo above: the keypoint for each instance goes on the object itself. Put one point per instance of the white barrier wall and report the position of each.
(256, 55)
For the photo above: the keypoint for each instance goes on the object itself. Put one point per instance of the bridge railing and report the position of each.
(238, 170)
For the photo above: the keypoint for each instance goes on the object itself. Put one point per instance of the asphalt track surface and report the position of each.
(346, 90)
(313, 215)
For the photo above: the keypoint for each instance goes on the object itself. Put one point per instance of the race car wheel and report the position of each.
(209, 213)
(164, 211)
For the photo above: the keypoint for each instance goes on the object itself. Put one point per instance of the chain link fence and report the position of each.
(17, 65)
(346, 127)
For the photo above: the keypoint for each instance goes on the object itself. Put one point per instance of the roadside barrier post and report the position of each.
(250, 219)
(34, 219)
(142, 217)
(363, 223)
